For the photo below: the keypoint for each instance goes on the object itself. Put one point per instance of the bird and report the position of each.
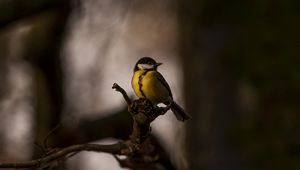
(148, 83)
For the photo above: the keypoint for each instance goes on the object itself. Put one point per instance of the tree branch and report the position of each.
(141, 154)
(60, 153)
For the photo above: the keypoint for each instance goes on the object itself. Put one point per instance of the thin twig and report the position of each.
(121, 90)
(45, 141)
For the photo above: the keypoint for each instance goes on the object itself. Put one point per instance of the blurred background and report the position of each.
(233, 65)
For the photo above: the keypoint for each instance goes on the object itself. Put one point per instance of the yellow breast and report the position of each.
(151, 87)
(135, 82)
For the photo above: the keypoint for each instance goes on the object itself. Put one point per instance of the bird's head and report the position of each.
(146, 63)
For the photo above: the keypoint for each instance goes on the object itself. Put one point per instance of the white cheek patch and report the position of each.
(145, 66)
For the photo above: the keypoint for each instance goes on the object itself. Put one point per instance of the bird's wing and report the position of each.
(164, 82)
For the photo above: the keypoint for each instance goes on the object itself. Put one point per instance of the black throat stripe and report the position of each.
(140, 83)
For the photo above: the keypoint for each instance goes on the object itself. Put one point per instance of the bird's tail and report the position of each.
(179, 112)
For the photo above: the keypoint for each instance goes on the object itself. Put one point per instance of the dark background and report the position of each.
(240, 64)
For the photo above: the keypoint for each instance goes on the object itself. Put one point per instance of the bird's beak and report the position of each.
(158, 64)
